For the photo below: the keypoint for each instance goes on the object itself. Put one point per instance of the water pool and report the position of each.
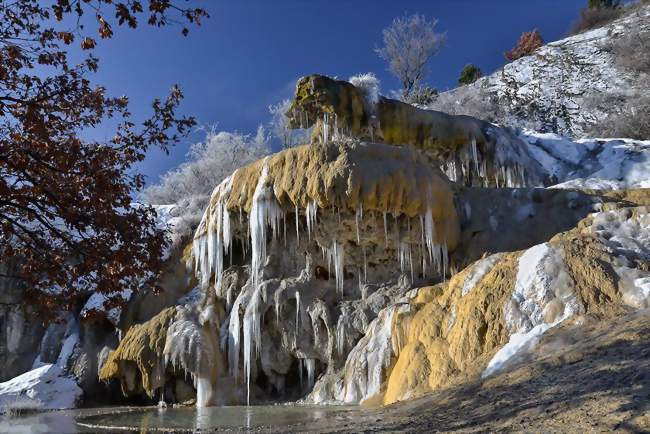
(183, 419)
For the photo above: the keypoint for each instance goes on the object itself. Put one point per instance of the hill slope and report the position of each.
(565, 87)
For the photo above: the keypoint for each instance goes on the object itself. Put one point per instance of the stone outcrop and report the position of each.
(488, 316)
(301, 248)
(21, 330)
(470, 150)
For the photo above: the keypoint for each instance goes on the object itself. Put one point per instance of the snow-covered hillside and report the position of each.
(598, 164)
(562, 88)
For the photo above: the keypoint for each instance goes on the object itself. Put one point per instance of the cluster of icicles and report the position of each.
(470, 164)
(211, 246)
(331, 128)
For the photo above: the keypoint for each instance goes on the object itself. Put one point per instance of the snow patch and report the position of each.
(542, 298)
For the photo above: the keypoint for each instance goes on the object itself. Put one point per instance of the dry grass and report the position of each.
(632, 121)
(631, 52)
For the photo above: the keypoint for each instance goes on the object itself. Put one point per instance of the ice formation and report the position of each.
(338, 205)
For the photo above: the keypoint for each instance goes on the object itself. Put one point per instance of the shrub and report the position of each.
(420, 95)
(596, 4)
(469, 75)
(527, 44)
(279, 126)
(368, 84)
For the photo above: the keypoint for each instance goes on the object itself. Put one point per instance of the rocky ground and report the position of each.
(588, 376)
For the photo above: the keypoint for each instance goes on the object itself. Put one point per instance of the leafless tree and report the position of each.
(409, 44)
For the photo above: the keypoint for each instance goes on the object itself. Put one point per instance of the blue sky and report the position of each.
(250, 52)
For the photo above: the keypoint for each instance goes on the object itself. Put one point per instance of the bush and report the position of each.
(596, 4)
(209, 162)
(420, 95)
(469, 75)
(597, 14)
(527, 44)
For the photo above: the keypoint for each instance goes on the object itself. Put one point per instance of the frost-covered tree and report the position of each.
(410, 42)
(279, 126)
(66, 214)
(208, 163)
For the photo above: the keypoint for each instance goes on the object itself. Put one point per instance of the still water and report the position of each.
(151, 419)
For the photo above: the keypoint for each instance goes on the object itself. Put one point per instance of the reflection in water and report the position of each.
(208, 419)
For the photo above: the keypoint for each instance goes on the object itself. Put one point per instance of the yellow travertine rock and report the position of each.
(390, 121)
(474, 151)
(140, 355)
(376, 177)
(454, 329)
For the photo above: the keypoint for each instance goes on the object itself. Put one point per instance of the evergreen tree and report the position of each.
(469, 74)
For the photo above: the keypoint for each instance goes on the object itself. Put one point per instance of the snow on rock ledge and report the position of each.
(597, 164)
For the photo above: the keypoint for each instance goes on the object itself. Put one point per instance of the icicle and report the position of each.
(297, 228)
(365, 264)
(297, 312)
(385, 228)
(310, 364)
(276, 301)
(326, 127)
(264, 210)
(411, 265)
(234, 337)
(338, 265)
(360, 283)
(340, 337)
(336, 127)
(252, 336)
(429, 232)
(357, 217)
(475, 155)
(310, 215)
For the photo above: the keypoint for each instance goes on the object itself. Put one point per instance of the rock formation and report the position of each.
(470, 150)
(302, 248)
(355, 272)
(568, 87)
(487, 316)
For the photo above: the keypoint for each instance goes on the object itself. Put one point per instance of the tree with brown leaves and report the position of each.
(528, 43)
(68, 224)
